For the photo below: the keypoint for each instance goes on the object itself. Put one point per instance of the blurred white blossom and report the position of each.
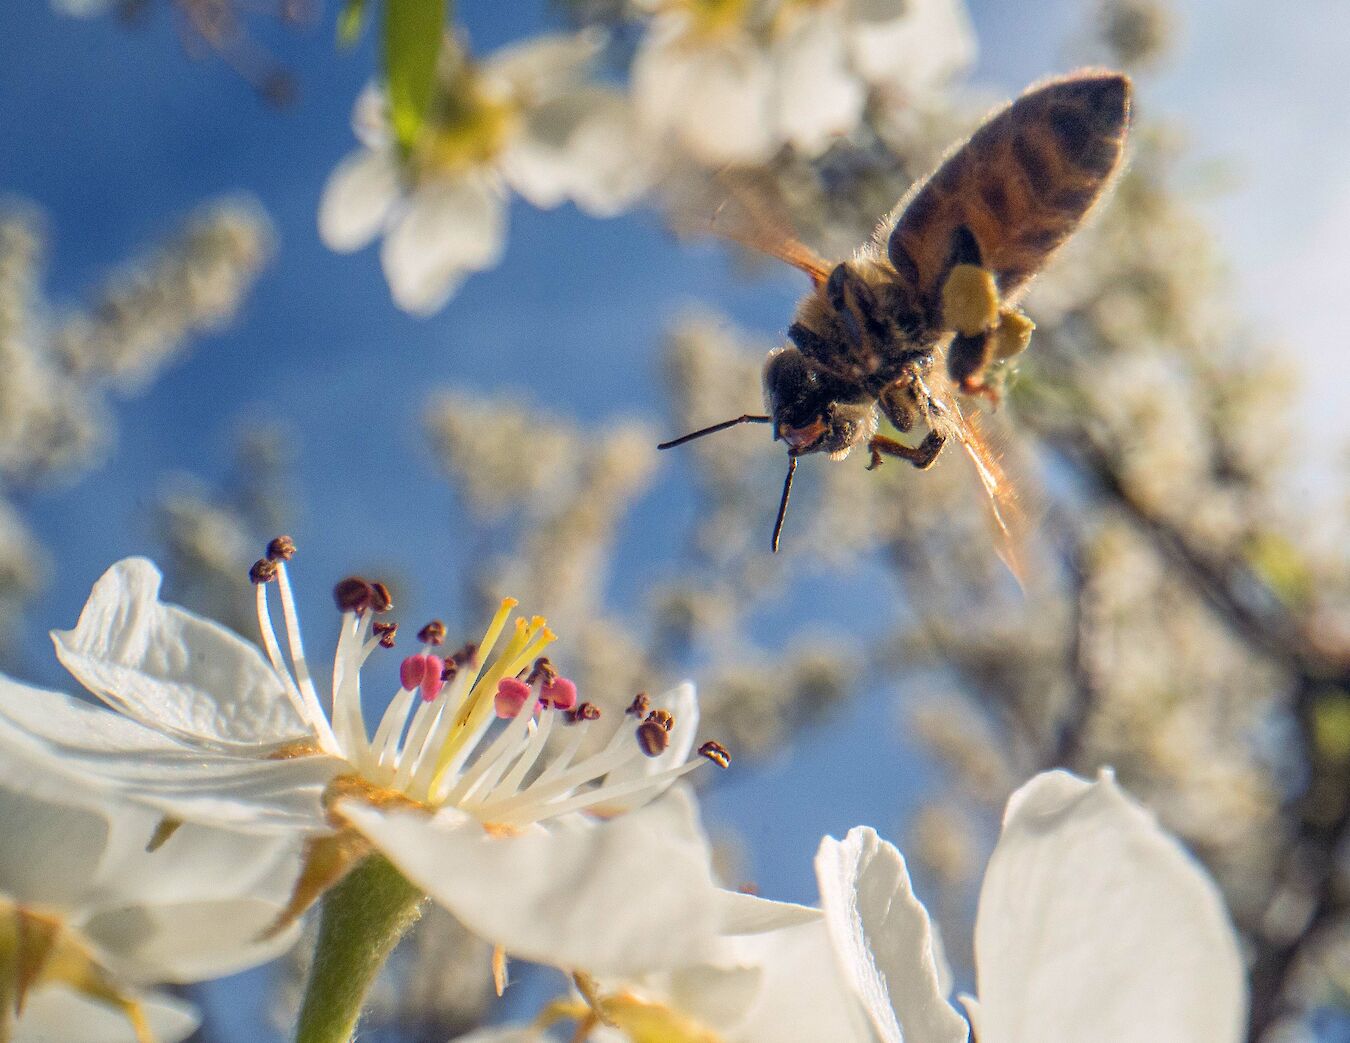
(733, 81)
(62, 367)
(89, 915)
(528, 119)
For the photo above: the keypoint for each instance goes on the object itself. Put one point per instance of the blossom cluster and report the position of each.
(180, 830)
(729, 82)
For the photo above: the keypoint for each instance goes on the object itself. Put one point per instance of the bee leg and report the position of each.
(921, 455)
(967, 360)
(977, 386)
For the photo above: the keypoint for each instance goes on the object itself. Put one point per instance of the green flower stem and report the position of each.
(364, 917)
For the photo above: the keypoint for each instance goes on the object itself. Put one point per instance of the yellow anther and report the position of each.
(969, 300)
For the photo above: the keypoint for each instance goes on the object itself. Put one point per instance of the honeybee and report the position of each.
(939, 281)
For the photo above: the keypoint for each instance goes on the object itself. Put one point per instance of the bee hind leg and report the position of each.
(921, 455)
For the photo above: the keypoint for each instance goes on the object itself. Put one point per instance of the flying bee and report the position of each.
(939, 283)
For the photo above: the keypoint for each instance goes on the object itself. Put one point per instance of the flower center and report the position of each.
(469, 123)
(469, 730)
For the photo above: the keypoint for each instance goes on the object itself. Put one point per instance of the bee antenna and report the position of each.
(745, 418)
(782, 506)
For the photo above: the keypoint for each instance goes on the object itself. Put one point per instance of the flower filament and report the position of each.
(435, 744)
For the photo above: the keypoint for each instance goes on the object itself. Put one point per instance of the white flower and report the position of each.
(88, 915)
(733, 86)
(553, 855)
(527, 119)
(1093, 924)
(733, 81)
(910, 46)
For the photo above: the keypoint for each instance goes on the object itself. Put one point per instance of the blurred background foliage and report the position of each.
(1186, 619)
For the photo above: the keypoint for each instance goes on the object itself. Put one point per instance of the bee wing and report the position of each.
(1008, 520)
(745, 209)
(1021, 184)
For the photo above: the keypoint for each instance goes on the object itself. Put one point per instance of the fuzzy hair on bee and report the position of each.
(927, 312)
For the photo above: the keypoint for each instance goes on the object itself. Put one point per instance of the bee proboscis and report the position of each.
(940, 281)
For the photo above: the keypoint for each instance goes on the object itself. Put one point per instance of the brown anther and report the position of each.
(385, 632)
(262, 571)
(433, 633)
(466, 656)
(662, 717)
(716, 752)
(449, 670)
(281, 549)
(380, 600)
(353, 594)
(652, 738)
(639, 706)
(583, 712)
(542, 671)
(748, 887)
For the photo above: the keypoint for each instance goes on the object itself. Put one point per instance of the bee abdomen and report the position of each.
(1021, 184)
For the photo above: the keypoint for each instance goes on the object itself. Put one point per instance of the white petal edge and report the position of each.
(883, 939)
(447, 230)
(1094, 923)
(802, 998)
(54, 1014)
(77, 740)
(627, 895)
(187, 941)
(357, 199)
(173, 670)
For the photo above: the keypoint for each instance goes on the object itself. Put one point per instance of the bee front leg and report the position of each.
(921, 455)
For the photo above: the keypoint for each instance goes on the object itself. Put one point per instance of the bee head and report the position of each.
(811, 412)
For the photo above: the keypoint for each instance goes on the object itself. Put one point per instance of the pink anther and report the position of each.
(512, 694)
(561, 694)
(411, 671)
(422, 672)
(433, 677)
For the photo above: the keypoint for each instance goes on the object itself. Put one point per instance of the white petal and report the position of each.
(819, 99)
(54, 1014)
(715, 97)
(883, 939)
(801, 997)
(929, 44)
(746, 914)
(192, 909)
(71, 737)
(449, 228)
(53, 848)
(627, 895)
(357, 199)
(171, 669)
(370, 117)
(544, 64)
(187, 941)
(682, 702)
(716, 996)
(1095, 924)
(586, 145)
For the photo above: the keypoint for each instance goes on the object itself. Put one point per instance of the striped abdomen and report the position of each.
(1022, 183)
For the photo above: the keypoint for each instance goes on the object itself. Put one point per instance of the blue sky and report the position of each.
(117, 134)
